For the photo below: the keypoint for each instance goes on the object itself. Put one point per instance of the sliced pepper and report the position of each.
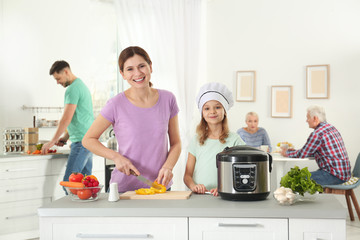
(145, 191)
(152, 190)
(157, 190)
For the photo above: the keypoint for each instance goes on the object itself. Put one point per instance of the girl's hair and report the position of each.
(202, 130)
(130, 52)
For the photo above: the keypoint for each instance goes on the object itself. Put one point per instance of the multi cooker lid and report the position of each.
(242, 154)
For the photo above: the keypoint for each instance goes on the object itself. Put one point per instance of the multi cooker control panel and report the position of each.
(244, 177)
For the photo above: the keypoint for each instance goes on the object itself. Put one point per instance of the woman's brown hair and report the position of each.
(130, 52)
(202, 130)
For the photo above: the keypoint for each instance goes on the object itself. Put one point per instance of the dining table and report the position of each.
(280, 161)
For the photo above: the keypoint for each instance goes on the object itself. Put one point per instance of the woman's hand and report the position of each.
(199, 188)
(214, 192)
(124, 165)
(165, 175)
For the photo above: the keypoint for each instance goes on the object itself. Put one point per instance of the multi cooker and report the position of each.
(243, 173)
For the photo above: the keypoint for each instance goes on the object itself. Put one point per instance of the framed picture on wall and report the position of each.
(317, 81)
(245, 86)
(281, 101)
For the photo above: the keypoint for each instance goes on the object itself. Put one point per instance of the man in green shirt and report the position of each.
(75, 121)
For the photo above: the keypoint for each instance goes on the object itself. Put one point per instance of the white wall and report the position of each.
(36, 33)
(278, 39)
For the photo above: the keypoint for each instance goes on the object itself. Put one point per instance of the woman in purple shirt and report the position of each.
(144, 120)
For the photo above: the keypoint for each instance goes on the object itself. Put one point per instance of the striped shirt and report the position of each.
(327, 146)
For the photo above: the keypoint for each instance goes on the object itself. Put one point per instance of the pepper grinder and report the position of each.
(113, 194)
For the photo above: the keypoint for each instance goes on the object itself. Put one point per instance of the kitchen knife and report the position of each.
(145, 180)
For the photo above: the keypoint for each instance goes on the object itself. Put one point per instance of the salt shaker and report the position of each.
(113, 194)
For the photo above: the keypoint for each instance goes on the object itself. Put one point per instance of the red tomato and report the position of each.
(84, 194)
(74, 191)
(76, 177)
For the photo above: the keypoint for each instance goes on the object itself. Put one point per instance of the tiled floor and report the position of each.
(353, 229)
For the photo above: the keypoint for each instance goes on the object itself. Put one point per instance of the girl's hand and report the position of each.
(124, 165)
(165, 175)
(214, 192)
(199, 188)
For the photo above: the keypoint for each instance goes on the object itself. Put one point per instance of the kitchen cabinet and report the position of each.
(27, 183)
(116, 227)
(309, 229)
(199, 217)
(238, 228)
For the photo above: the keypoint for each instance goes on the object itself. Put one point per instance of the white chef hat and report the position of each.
(215, 91)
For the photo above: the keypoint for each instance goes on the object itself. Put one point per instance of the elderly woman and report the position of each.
(253, 135)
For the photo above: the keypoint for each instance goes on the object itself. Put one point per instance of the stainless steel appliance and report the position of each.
(109, 167)
(243, 173)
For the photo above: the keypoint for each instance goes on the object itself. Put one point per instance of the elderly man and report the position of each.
(327, 146)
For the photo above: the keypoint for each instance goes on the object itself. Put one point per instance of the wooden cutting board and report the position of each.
(165, 196)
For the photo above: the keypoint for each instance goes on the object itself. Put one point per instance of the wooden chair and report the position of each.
(348, 190)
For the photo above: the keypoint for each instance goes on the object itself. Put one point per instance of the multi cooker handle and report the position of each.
(245, 147)
(270, 162)
(242, 147)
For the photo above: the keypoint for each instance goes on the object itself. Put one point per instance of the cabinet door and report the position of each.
(113, 228)
(26, 168)
(312, 229)
(25, 188)
(237, 228)
(20, 216)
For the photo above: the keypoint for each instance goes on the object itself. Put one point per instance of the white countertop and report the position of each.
(326, 206)
(24, 156)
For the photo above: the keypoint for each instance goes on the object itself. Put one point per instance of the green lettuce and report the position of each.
(299, 181)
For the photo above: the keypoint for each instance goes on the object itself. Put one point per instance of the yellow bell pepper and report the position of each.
(145, 191)
(152, 190)
(157, 190)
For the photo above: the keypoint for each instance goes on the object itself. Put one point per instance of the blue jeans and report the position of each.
(324, 178)
(80, 160)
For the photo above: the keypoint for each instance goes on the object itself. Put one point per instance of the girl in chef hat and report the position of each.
(212, 136)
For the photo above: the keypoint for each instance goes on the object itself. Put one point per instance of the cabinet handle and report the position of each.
(95, 235)
(239, 225)
(20, 169)
(21, 216)
(21, 189)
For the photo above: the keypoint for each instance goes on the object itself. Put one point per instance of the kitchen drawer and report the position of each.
(309, 229)
(26, 168)
(58, 166)
(114, 228)
(20, 216)
(237, 228)
(26, 188)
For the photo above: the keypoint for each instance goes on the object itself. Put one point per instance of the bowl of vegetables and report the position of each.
(296, 186)
(82, 188)
(84, 194)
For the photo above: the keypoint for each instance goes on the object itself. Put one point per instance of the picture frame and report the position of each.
(281, 101)
(317, 81)
(245, 86)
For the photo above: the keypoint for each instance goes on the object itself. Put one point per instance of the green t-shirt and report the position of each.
(205, 171)
(78, 93)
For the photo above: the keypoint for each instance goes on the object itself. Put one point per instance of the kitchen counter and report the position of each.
(24, 156)
(326, 206)
(199, 217)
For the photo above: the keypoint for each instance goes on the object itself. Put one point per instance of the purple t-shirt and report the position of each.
(142, 136)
